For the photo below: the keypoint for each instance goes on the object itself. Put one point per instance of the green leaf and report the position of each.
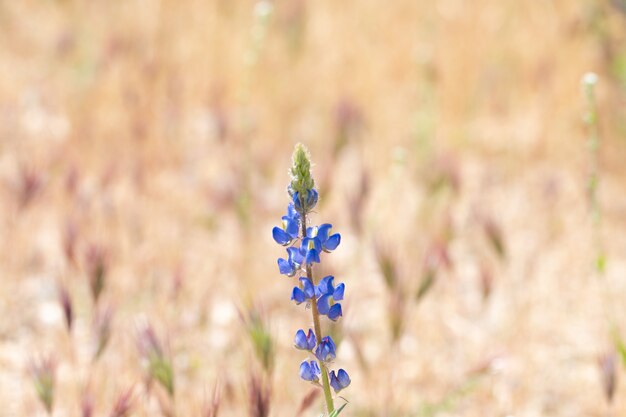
(426, 284)
(336, 412)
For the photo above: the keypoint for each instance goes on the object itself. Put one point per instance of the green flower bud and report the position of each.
(301, 179)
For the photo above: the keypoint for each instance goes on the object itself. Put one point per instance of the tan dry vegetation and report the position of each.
(161, 132)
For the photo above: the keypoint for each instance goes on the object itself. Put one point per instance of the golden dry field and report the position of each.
(478, 186)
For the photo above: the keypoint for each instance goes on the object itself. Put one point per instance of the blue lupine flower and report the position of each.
(297, 295)
(304, 342)
(325, 351)
(325, 286)
(327, 243)
(339, 381)
(310, 371)
(307, 203)
(301, 257)
(307, 287)
(293, 262)
(306, 291)
(326, 291)
(290, 225)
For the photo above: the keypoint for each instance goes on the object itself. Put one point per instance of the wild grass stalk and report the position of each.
(43, 374)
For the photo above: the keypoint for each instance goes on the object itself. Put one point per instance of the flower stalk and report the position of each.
(305, 245)
(328, 396)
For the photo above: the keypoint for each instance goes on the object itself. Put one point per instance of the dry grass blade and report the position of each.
(259, 396)
(123, 404)
(308, 400)
(43, 373)
(608, 373)
(212, 409)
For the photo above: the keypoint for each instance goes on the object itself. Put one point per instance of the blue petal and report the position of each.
(300, 341)
(334, 312)
(343, 378)
(285, 267)
(291, 227)
(315, 368)
(309, 243)
(330, 342)
(311, 198)
(338, 293)
(309, 202)
(332, 242)
(322, 231)
(309, 232)
(292, 213)
(326, 285)
(310, 340)
(297, 295)
(322, 304)
(305, 371)
(309, 371)
(295, 198)
(321, 352)
(295, 256)
(307, 287)
(334, 382)
(312, 256)
(280, 236)
(325, 350)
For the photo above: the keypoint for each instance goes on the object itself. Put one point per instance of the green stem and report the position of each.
(318, 332)
(593, 144)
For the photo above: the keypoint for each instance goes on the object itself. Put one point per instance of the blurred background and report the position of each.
(477, 184)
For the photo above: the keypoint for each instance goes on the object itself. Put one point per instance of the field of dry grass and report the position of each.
(144, 149)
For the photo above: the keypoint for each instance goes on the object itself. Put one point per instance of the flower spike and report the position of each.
(305, 243)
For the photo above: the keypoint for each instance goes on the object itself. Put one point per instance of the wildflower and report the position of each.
(305, 342)
(339, 381)
(327, 242)
(326, 287)
(306, 291)
(292, 264)
(325, 351)
(311, 247)
(289, 231)
(323, 296)
(310, 371)
(328, 294)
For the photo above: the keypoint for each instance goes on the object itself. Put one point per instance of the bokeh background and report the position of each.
(144, 149)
